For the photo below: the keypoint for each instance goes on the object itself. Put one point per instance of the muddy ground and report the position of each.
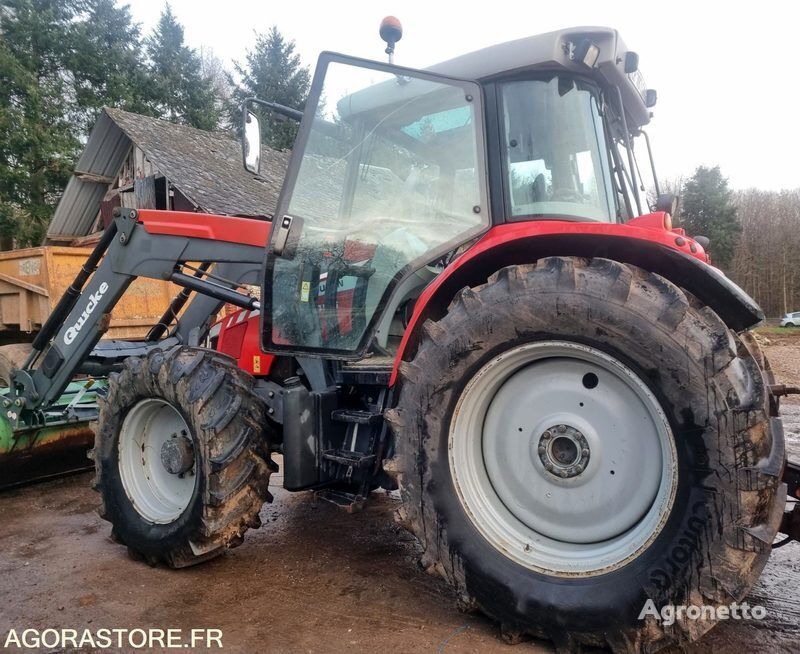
(312, 579)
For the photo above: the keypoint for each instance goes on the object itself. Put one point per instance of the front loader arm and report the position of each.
(133, 247)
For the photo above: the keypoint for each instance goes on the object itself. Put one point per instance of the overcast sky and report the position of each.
(726, 72)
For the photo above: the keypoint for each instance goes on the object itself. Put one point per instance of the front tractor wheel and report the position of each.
(578, 437)
(181, 456)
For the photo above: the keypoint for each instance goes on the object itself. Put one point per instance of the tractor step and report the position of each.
(370, 371)
(356, 417)
(349, 458)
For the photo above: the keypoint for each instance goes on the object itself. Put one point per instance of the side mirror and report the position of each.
(251, 142)
(667, 202)
(631, 62)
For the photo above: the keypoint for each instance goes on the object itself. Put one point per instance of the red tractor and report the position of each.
(464, 294)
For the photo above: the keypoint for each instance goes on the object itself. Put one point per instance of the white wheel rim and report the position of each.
(589, 497)
(158, 495)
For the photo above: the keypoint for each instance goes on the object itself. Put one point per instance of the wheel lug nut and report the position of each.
(562, 429)
(585, 451)
(563, 473)
(542, 449)
(579, 468)
(547, 435)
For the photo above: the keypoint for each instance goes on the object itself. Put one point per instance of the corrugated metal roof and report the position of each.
(205, 166)
(77, 209)
(105, 150)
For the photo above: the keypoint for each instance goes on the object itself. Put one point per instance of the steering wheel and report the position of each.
(566, 195)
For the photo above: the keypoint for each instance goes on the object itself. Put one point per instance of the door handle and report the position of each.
(285, 241)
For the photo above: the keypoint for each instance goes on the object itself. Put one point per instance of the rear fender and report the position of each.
(670, 254)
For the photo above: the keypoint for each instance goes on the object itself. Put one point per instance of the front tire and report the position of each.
(182, 456)
(705, 531)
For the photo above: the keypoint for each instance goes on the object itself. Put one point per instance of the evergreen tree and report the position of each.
(182, 93)
(273, 72)
(37, 141)
(61, 61)
(708, 209)
(106, 63)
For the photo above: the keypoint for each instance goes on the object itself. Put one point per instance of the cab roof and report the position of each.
(550, 52)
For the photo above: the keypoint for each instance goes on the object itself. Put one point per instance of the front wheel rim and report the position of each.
(150, 429)
(563, 458)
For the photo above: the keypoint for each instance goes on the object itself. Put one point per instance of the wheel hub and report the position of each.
(177, 454)
(563, 451)
(155, 452)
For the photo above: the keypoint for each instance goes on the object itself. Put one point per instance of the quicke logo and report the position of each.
(94, 299)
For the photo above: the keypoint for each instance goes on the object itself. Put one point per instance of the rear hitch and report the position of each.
(779, 390)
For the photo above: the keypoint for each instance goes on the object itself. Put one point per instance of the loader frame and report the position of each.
(212, 256)
(138, 244)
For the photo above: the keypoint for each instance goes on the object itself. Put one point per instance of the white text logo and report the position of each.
(94, 299)
(670, 614)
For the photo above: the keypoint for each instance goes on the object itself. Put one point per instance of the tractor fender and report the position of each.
(668, 253)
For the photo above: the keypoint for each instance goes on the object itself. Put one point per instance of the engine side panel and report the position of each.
(239, 337)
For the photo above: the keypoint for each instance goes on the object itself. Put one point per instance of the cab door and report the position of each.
(387, 175)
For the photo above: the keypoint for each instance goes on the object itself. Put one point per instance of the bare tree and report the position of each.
(767, 257)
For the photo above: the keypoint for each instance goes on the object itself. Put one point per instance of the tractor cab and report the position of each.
(394, 170)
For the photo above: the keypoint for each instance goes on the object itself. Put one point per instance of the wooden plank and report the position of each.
(91, 177)
(145, 191)
(28, 287)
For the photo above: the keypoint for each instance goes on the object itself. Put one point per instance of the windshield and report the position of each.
(391, 178)
(556, 157)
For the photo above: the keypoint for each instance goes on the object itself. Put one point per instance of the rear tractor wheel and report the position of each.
(182, 456)
(577, 437)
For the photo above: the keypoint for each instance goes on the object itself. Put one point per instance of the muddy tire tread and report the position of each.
(729, 566)
(229, 423)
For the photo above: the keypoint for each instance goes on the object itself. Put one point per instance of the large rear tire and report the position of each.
(577, 437)
(182, 456)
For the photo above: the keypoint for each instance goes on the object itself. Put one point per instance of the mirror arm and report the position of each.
(283, 110)
(652, 161)
(629, 148)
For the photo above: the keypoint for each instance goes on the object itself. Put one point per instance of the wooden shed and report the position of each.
(138, 162)
(144, 163)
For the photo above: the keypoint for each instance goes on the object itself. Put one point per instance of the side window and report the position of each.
(555, 150)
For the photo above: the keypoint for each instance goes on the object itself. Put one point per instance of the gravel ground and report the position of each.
(783, 352)
(313, 579)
